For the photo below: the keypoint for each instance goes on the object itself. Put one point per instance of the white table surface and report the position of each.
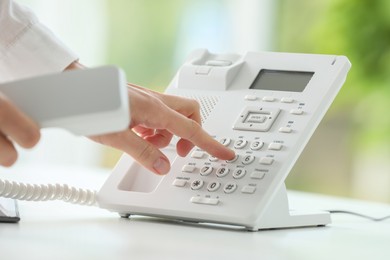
(56, 230)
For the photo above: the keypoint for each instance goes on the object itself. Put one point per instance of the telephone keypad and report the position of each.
(241, 174)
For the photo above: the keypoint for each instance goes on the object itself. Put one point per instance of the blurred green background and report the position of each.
(349, 154)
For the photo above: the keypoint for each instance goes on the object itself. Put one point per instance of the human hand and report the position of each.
(155, 118)
(15, 127)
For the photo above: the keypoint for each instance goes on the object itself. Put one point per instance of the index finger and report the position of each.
(189, 129)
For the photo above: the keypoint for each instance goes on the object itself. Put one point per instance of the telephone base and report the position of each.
(297, 219)
(279, 215)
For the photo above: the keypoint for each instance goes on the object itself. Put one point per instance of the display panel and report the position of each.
(279, 80)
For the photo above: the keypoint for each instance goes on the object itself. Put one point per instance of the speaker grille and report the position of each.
(207, 104)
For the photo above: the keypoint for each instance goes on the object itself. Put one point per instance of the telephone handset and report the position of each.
(263, 105)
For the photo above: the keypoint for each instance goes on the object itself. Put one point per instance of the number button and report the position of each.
(239, 144)
(213, 186)
(206, 170)
(239, 173)
(225, 141)
(197, 184)
(256, 145)
(230, 187)
(222, 172)
(248, 159)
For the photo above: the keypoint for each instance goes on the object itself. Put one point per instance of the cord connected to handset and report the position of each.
(45, 192)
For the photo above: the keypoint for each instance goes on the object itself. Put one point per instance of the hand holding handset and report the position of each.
(84, 102)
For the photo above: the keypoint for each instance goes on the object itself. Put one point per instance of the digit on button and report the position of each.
(256, 145)
(239, 144)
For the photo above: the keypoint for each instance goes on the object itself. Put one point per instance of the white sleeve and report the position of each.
(27, 47)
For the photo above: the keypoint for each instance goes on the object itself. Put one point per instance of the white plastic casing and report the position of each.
(84, 102)
(221, 85)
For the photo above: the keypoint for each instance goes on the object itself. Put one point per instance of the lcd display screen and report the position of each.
(280, 80)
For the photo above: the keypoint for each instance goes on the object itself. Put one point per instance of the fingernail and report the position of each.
(161, 166)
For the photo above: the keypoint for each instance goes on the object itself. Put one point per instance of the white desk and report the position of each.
(55, 230)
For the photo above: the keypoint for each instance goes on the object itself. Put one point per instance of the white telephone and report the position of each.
(265, 106)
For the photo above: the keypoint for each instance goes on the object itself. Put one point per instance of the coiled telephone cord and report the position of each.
(46, 192)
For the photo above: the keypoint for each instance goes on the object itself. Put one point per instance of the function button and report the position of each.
(230, 187)
(256, 145)
(285, 130)
(188, 168)
(206, 170)
(257, 175)
(179, 183)
(248, 159)
(197, 154)
(239, 173)
(255, 118)
(287, 100)
(222, 171)
(239, 144)
(197, 184)
(207, 201)
(248, 189)
(213, 186)
(213, 158)
(268, 99)
(250, 97)
(233, 160)
(275, 146)
(266, 160)
(225, 141)
(296, 111)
